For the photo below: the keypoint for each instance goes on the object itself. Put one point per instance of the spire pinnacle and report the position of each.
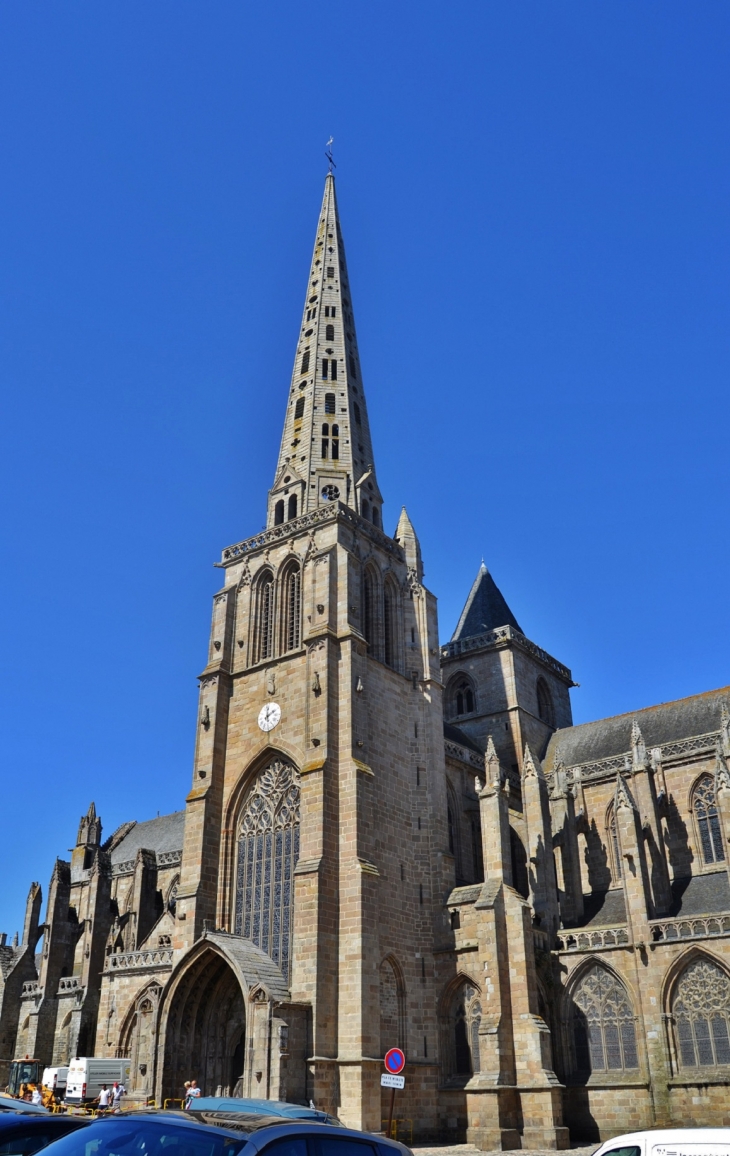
(326, 451)
(485, 608)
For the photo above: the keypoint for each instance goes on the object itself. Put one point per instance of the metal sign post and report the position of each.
(394, 1061)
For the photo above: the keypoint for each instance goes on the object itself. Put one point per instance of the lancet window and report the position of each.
(704, 806)
(264, 638)
(604, 1031)
(545, 708)
(268, 850)
(613, 843)
(292, 608)
(701, 1011)
(460, 1034)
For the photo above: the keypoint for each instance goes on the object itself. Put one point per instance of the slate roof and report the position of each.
(485, 609)
(454, 735)
(603, 909)
(701, 894)
(9, 956)
(665, 723)
(162, 834)
(253, 964)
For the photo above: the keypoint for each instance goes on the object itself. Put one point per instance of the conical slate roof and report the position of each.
(485, 609)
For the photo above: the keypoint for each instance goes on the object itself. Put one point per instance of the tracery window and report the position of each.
(464, 1022)
(604, 1031)
(701, 1011)
(461, 696)
(264, 639)
(292, 606)
(268, 850)
(708, 821)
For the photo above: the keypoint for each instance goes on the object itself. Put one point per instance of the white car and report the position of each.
(669, 1142)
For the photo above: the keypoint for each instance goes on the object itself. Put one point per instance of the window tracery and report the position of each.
(268, 850)
(701, 1010)
(462, 699)
(704, 807)
(462, 1031)
(604, 1031)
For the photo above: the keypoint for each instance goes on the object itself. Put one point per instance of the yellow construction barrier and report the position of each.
(400, 1126)
(167, 1103)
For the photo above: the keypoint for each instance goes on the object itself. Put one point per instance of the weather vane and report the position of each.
(328, 153)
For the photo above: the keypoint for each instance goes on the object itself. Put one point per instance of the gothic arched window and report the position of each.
(704, 807)
(370, 617)
(292, 508)
(329, 333)
(545, 708)
(613, 844)
(268, 850)
(292, 608)
(461, 1042)
(329, 403)
(701, 1011)
(264, 639)
(390, 624)
(279, 512)
(392, 1006)
(461, 698)
(299, 409)
(604, 1032)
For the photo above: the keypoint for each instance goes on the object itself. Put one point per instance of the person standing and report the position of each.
(104, 1098)
(37, 1097)
(193, 1093)
(117, 1092)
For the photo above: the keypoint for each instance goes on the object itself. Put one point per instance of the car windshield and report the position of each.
(140, 1137)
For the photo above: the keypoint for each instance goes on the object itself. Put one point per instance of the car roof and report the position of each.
(166, 1116)
(264, 1127)
(264, 1107)
(10, 1120)
(10, 1104)
(670, 1135)
(269, 1130)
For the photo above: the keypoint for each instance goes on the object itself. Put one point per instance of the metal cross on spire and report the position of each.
(328, 153)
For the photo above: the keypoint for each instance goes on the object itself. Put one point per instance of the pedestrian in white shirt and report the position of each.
(117, 1092)
(37, 1098)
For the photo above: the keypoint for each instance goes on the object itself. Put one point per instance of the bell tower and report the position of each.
(316, 835)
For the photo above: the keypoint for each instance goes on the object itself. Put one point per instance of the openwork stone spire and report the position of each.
(326, 451)
(623, 794)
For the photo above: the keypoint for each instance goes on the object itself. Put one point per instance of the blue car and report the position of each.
(160, 1133)
(226, 1104)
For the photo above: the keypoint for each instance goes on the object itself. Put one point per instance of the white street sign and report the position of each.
(388, 1081)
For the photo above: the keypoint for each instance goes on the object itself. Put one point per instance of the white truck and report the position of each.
(55, 1079)
(86, 1076)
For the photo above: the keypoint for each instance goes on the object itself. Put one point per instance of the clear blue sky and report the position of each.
(535, 206)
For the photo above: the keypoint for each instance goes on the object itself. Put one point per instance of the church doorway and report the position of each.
(206, 1029)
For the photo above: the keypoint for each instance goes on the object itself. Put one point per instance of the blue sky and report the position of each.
(534, 202)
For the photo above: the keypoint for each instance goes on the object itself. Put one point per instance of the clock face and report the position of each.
(269, 716)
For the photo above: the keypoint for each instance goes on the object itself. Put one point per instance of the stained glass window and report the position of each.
(708, 821)
(702, 1015)
(268, 850)
(604, 1031)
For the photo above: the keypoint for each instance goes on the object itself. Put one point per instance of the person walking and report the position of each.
(117, 1092)
(104, 1098)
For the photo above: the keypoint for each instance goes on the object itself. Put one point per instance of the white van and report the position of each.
(55, 1079)
(669, 1142)
(85, 1077)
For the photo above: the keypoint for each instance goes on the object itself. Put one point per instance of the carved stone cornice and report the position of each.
(500, 638)
(325, 515)
(696, 746)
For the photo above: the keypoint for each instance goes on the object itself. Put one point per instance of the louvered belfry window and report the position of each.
(265, 615)
(292, 608)
(268, 850)
(701, 1012)
(305, 361)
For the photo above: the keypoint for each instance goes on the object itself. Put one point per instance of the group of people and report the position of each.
(110, 1098)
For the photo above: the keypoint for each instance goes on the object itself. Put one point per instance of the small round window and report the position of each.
(330, 493)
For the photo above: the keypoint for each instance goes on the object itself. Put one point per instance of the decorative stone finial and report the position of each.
(725, 728)
(638, 746)
(531, 767)
(89, 828)
(722, 774)
(623, 794)
(492, 765)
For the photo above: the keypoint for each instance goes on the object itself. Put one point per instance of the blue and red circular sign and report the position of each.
(395, 1061)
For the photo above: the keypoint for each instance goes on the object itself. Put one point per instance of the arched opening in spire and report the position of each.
(279, 512)
(329, 403)
(292, 508)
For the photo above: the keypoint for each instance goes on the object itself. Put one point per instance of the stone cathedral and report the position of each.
(391, 842)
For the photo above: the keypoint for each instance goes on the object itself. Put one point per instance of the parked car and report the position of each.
(161, 1133)
(223, 1105)
(11, 1104)
(22, 1133)
(669, 1142)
